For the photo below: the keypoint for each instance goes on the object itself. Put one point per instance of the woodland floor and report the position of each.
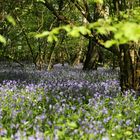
(65, 103)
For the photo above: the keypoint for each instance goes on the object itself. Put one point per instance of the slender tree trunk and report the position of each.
(61, 55)
(79, 54)
(92, 56)
(51, 57)
(77, 60)
(40, 62)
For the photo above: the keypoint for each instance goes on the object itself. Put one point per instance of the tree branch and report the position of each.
(56, 13)
(84, 12)
(87, 10)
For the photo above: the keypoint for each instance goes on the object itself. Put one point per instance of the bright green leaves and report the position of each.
(102, 30)
(72, 125)
(55, 31)
(83, 30)
(126, 32)
(122, 33)
(11, 20)
(118, 33)
(43, 34)
(73, 31)
(77, 31)
(52, 38)
(2, 40)
(131, 31)
(67, 28)
(110, 43)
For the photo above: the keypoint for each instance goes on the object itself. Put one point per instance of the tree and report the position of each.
(92, 12)
(103, 24)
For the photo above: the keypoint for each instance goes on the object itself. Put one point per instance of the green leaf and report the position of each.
(109, 43)
(128, 133)
(127, 31)
(123, 40)
(55, 38)
(60, 133)
(72, 125)
(111, 28)
(45, 33)
(133, 32)
(11, 20)
(55, 31)
(67, 28)
(102, 30)
(74, 32)
(83, 30)
(118, 35)
(2, 40)
(32, 34)
(93, 25)
(52, 38)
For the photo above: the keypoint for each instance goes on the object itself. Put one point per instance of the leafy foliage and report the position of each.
(11, 20)
(2, 40)
(122, 34)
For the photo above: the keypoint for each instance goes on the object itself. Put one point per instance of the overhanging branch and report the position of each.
(56, 13)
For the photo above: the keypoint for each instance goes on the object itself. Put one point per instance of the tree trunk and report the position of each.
(40, 62)
(92, 56)
(51, 57)
(129, 68)
(77, 60)
(137, 71)
(78, 56)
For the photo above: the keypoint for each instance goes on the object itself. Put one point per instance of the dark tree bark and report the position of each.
(92, 56)
(129, 68)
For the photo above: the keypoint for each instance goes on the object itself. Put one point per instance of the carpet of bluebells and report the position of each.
(66, 104)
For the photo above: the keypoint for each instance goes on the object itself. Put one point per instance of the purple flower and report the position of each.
(128, 122)
(3, 132)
